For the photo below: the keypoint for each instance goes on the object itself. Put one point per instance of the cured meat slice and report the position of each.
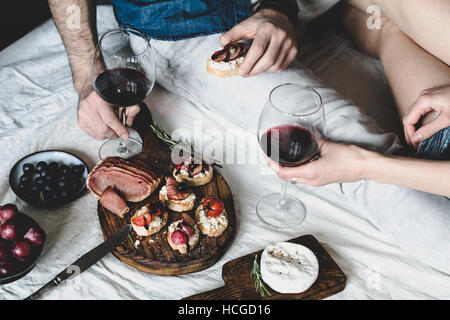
(113, 202)
(134, 181)
(173, 191)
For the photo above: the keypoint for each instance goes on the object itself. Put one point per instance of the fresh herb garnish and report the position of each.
(167, 139)
(161, 134)
(131, 239)
(257, 279)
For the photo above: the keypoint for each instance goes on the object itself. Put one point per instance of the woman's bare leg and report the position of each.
(409, 68)
(426, 22)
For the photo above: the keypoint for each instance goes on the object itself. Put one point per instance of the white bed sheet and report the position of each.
(38, 112)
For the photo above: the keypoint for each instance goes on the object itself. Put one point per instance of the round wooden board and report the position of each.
(154, 254)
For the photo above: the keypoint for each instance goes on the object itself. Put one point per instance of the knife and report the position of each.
(85, 261)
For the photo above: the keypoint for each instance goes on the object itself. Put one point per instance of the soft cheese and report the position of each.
(288, 267)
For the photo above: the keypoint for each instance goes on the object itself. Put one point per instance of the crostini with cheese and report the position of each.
(227, 61)
(177, 196)
(183, 234)
(193, 172)
(211, 217)
(149, 219)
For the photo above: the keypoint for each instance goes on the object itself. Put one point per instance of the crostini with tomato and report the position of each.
(149, 219)
(211, 217)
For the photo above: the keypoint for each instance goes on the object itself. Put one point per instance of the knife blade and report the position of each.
(85, 261)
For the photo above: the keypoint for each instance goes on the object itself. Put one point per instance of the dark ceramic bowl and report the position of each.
(61, 157)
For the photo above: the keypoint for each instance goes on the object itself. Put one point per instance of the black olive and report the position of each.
(182, 186)
(54, 198)
(48, 188)
(74, 186)
(28, 168)
(63, 170)
(50, 177)
(35, 188)
(39, 180)
(26, 178)
(41, 166)
(23, 187)
(64, 195)
(53, 166)
(62, 183)
(44, 172)
(77, 170)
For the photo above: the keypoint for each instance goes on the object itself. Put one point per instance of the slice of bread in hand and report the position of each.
(227, 61)
(224, 69)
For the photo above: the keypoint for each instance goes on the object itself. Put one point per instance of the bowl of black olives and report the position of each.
(49, 179)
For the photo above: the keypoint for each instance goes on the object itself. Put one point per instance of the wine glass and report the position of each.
(291, 131)
(123, 74)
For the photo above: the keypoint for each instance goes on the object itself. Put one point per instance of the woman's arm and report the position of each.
(348, 163)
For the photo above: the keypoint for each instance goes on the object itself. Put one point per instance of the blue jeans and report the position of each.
(436, 147)
(181, 19)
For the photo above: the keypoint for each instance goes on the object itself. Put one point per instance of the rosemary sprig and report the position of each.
(161, 134)
(167, 139)
(257, 279)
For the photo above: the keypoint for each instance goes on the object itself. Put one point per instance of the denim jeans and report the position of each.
(437, 147)
(181, 19)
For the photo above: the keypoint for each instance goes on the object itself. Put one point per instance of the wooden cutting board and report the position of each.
(240, 286)
(154, 255)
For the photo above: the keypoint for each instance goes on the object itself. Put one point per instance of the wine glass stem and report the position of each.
(122, 147)
(282, 202)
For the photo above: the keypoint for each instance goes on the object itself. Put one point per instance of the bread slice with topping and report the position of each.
(227, 61)
(192, 173)
(149, 219)
(211, 217)
(177, 197)
(183, 234)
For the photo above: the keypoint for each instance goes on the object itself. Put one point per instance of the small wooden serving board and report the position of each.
(240, 286)
(154, 254)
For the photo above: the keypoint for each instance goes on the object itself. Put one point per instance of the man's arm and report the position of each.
(79, 40)
(95, 116)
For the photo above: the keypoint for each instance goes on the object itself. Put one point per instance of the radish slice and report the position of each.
(187, 230)
(178, 237)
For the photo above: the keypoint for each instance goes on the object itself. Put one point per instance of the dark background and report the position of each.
(18, 17)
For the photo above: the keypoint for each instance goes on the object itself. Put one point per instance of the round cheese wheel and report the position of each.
(289, 267)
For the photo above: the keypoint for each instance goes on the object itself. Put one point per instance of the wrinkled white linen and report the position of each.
(38, 112)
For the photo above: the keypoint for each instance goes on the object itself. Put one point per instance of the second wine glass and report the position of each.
(123, 74)
(291, 132)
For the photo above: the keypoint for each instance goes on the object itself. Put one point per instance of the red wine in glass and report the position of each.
(296, 145)
(123, 86)
(122, 74)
